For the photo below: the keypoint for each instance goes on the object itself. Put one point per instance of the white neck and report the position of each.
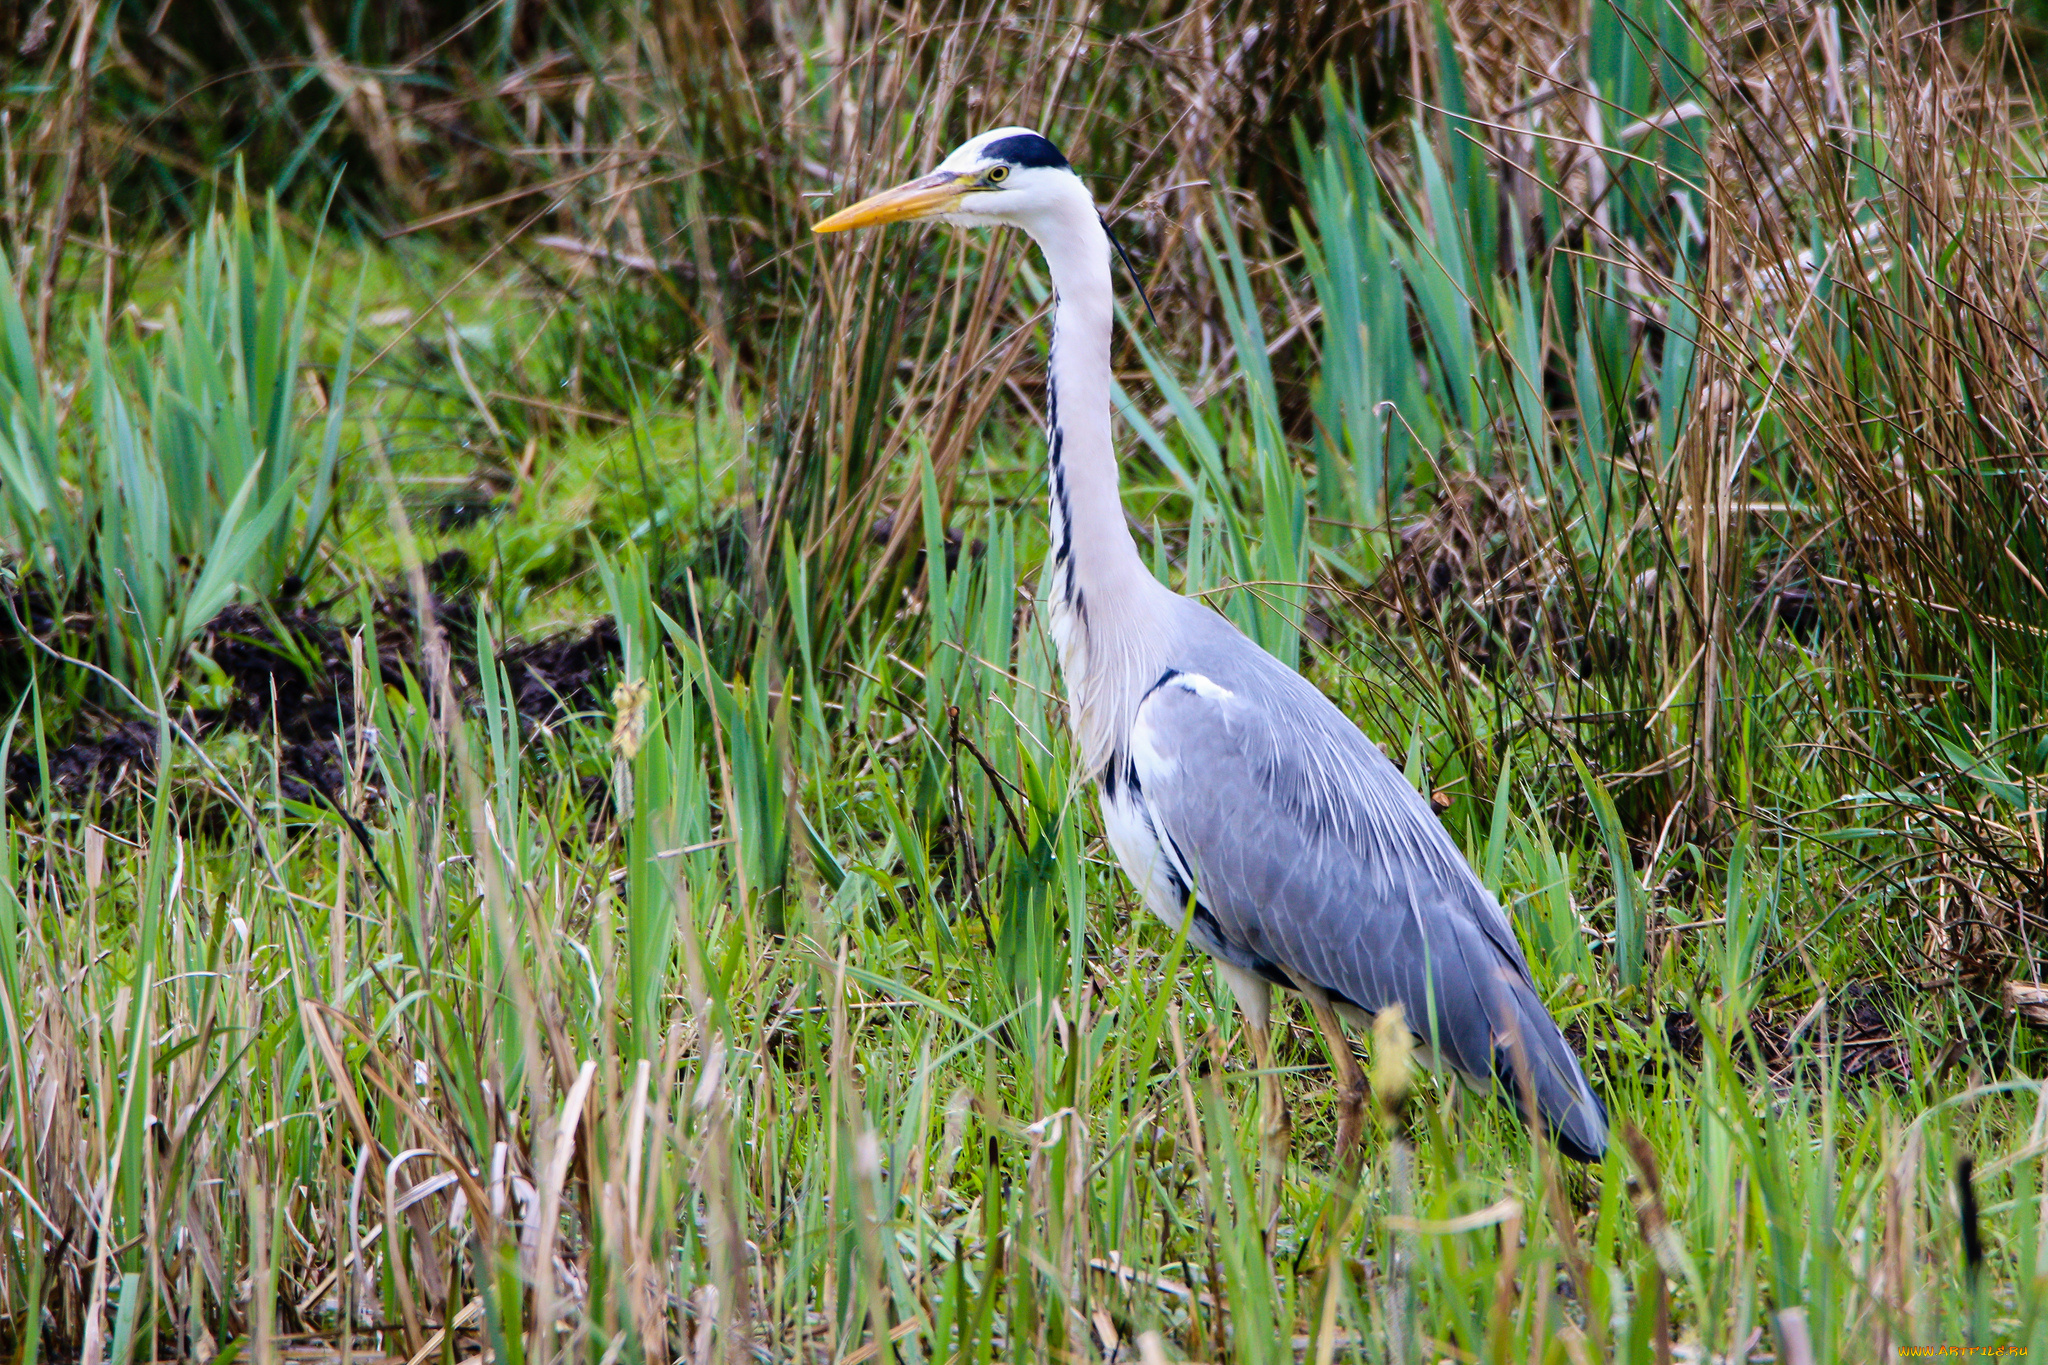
(1092, 550)
(1105, 609)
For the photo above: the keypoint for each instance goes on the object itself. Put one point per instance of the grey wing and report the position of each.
(1311, 855)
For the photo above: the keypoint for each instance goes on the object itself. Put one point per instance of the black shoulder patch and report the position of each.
(1025, 149)
(1164, 678)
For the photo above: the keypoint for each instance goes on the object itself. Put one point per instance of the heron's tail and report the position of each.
(1534, 1062)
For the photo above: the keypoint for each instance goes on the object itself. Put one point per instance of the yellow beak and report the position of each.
(923, 198)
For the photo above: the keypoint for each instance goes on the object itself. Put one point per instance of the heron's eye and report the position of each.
(997, 174)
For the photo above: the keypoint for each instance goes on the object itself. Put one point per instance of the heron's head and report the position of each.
(1009, 176)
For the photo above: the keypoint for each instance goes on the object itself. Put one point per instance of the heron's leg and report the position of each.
(1275, 1128)
(1255, 999)
(1350, 1149)
(1351, 1086)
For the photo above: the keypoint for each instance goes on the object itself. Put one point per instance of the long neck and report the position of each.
(1092, 551)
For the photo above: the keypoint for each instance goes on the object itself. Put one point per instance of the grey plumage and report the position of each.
(1308, 853)
(1229, 783)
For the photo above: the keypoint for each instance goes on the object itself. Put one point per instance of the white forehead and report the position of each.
(974, 151)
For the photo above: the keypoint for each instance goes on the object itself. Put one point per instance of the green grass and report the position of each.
(965, 1078)
(780, 998)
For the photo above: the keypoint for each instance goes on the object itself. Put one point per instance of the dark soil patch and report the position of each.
(290, 673)
(287, 675)
(563, 674)
(124, 750)
(1860, 1021)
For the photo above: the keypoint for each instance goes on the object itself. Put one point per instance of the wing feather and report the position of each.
(1313, 855)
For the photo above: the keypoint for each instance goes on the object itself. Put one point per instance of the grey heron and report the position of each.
(1231, 788)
